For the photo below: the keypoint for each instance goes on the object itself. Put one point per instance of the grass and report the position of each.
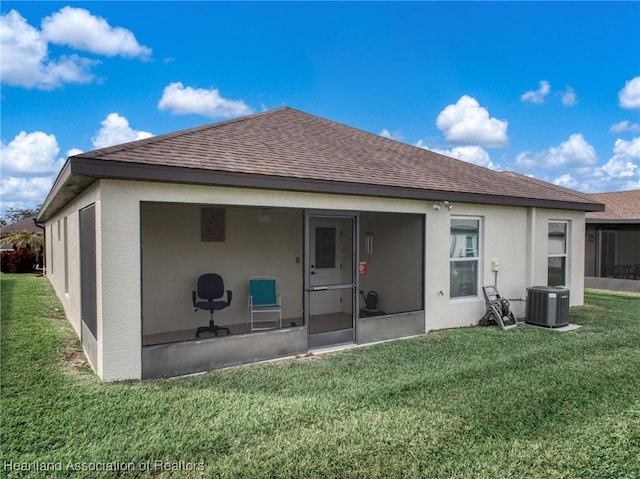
(465, 403)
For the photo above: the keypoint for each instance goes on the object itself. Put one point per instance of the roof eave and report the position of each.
(68, 184)
(79, 172)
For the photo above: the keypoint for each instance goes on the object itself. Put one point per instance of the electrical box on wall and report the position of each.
(495, 265)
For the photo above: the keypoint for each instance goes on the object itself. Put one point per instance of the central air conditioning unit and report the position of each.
(548, 306)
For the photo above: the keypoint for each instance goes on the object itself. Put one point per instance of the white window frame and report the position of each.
(564, 255)
(476, 259)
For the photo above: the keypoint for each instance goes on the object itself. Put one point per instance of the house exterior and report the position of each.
(25, 224)
(326, 209)
(612, 256)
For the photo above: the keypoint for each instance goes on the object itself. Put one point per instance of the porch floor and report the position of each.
(319, 324)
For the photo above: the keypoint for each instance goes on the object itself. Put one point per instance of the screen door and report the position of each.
(330, 278)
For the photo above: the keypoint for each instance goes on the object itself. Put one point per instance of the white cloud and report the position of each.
(25, 49)
(621, 172)
(592, 180)
(32, 153)
(573, 152)
(22, 193)
(22, 48)
(179, 99)
(470, 154)
(79, 29)
(537, 96)
(568, 97)
(115, 130)
(29, 165)
(567, 181)
(629, 96)
(630, 149)
(74, 152)
(624, 126)
(25, 61)
(468, 122)
(625, 160)
(396, 135)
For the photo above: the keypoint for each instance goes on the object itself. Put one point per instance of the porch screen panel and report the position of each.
(88, 269)
(608, 253)
(391, 263)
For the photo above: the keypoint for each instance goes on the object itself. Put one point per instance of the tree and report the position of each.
(13, 215)
(25, 239)
(27, 255)
(19, 261)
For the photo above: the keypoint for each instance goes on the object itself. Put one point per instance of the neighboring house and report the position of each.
(612, 255)
(25, 224)
(327, 209)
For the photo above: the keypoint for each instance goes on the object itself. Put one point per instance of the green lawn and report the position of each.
(465, 403)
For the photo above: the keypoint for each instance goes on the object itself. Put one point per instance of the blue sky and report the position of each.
(547, 89)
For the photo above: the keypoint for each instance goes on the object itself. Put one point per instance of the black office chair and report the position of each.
(211, 288)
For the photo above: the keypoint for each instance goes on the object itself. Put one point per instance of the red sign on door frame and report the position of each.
(363, 268)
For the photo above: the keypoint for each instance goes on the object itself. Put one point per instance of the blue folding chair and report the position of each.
(263, 299)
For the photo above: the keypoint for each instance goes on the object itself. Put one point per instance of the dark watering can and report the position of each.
(371, 299)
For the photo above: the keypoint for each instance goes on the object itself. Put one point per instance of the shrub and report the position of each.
(21, 260)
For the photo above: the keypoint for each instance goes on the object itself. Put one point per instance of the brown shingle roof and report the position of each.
(621, 206)
(25, 224)
(296, 149)
(550, 187)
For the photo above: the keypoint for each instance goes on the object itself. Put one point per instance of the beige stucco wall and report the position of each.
(119, 257)
(55, 257)
(575, 263)
(503, 238)
(118, 338)
(516, 237)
